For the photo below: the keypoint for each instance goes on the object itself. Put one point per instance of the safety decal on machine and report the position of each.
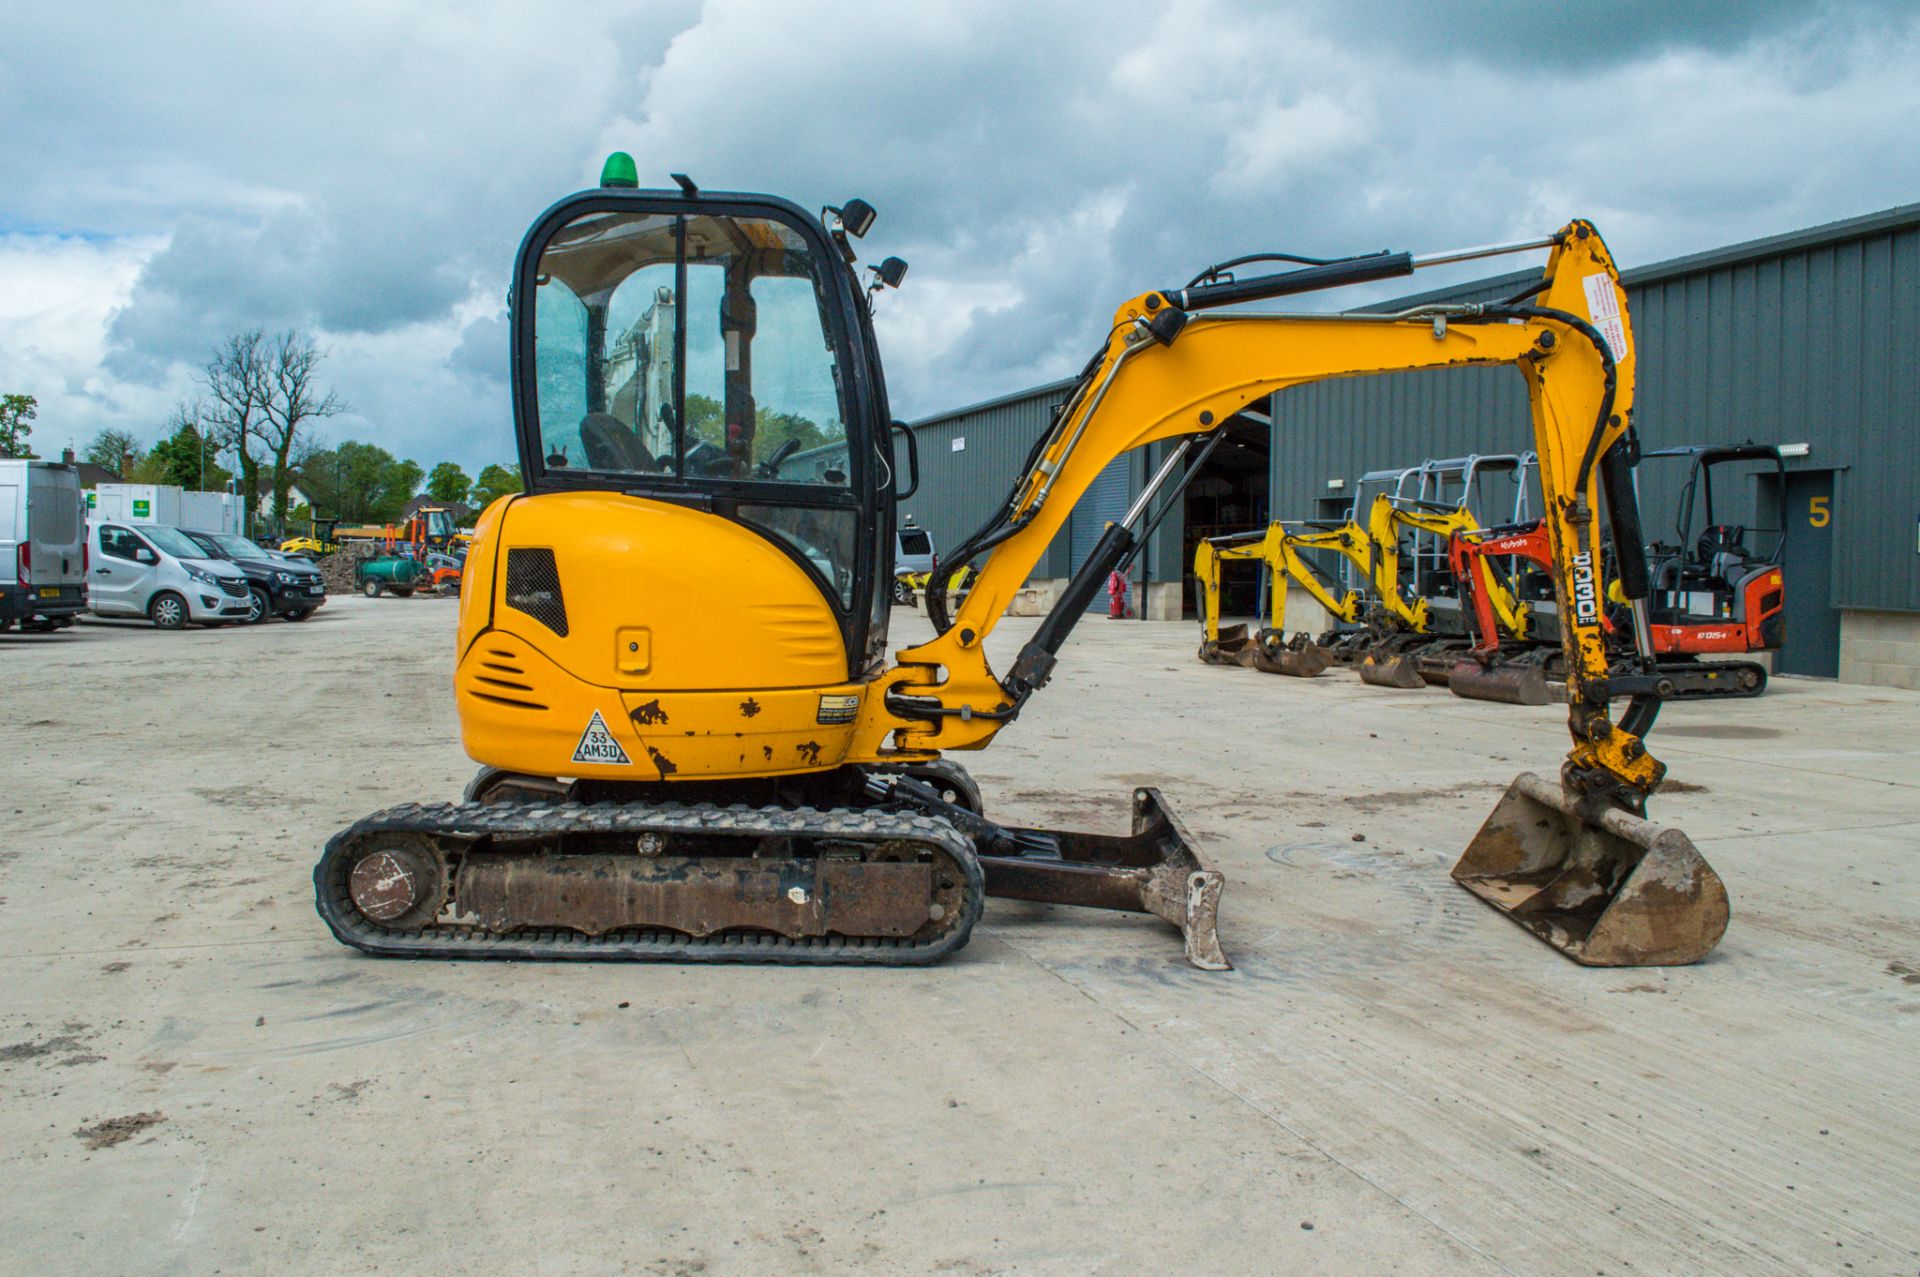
(838, 709)
(597, 745)
(1603, 304)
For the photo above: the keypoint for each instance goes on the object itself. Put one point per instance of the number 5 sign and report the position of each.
(1818, 515)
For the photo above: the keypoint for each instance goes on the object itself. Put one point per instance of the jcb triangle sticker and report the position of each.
(597, 745)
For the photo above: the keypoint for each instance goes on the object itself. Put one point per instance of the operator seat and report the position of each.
(1723, 553)
(611, 445)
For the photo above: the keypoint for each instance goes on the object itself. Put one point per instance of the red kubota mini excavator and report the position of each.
(1712, 597)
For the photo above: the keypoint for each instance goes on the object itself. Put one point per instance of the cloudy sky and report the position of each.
(170, 173)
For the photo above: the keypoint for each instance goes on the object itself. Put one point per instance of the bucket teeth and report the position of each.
(1605, 887)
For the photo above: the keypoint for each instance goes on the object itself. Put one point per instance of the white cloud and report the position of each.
(58, 296)
(365, 170)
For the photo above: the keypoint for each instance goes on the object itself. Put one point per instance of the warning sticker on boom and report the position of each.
(1603, 304)
(597, 745)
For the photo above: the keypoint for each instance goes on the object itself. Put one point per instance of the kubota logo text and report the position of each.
(1585, 602)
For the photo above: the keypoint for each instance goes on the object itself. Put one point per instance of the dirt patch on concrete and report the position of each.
(1724, 731)
(118, 1130)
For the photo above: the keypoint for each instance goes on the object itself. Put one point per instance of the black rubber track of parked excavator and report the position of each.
(458, 826)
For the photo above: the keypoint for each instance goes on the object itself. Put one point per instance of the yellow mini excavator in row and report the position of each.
(672, 655)
(1398, 624)
(1283, 553)
(1403, 621)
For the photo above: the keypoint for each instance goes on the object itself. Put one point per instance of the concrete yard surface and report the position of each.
(195, 1078)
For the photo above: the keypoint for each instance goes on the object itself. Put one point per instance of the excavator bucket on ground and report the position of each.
(1510, 683)
(1390, 669)
(1266, 652)
(1233, 647)
(1605, 887)
(1299, 657)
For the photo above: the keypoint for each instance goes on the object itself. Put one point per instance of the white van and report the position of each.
(43, 545)
(163, 574)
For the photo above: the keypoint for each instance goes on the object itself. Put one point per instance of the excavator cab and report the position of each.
(713, 351)
(1718, 573)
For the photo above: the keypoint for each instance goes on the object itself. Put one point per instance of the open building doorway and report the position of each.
(1228, 495)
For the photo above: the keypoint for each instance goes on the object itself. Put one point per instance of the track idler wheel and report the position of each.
(398, 882)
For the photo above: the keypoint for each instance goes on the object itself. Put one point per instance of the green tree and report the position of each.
(114, 450)
(448, 483)
(704, 420)
(359, 482)
(185, 458)
(15, 412)
(771, 429)
(399, 485)
(496, 481)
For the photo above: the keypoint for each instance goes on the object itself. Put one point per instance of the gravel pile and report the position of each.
(337, 571)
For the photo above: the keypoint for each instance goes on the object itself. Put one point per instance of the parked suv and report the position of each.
(163, 574)
(276, 584)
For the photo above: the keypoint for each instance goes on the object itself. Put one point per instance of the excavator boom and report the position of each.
(1168, 372)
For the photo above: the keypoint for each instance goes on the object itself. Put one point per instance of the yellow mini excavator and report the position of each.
(672, 654)
(1284, 554)
(1404, 621)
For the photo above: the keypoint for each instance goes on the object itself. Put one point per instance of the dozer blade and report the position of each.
(1608, 889)
(1519, 683)
(1391, 671)
(1157, 869)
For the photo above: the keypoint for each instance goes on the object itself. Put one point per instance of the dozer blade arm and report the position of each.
(1157, 869)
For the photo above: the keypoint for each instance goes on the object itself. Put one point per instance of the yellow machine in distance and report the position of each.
(1405, 618)
(1284, 554)
(1377, 552)
(672, 651)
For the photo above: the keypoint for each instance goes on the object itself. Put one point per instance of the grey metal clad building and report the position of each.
(1810, 338)
(970, 456)
(968, 460)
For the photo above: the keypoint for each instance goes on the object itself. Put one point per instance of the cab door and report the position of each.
(123, 573)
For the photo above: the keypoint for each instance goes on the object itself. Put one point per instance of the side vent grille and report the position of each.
(533, 587)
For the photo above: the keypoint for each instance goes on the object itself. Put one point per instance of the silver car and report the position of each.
(161, 573)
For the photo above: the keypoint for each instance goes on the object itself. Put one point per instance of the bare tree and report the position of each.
(293, 401)
(239, 384)
(114, 450)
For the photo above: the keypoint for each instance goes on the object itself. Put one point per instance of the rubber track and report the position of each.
(460, 825)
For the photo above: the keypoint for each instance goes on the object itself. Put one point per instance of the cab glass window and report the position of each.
(691, 346)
